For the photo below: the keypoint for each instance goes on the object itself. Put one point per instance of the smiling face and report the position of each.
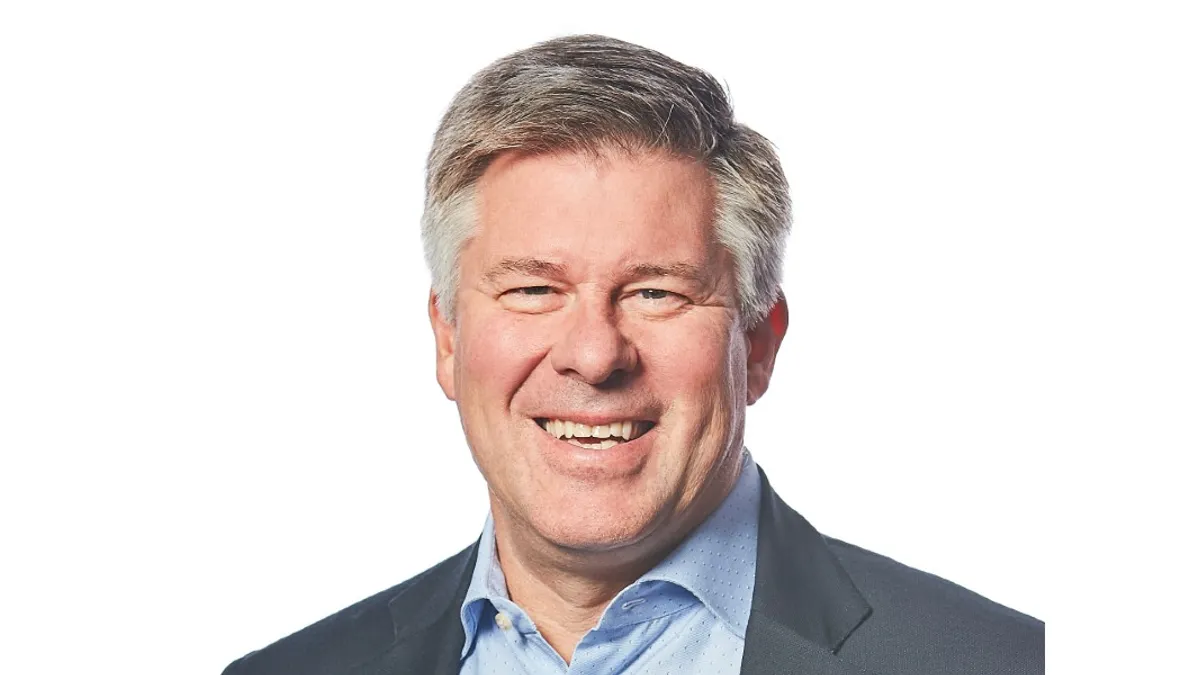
(597, 356)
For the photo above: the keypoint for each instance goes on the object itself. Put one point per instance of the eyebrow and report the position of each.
(535, 267)
(544, 268)
(681, 270)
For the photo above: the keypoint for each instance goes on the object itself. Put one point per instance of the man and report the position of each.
(605, 243)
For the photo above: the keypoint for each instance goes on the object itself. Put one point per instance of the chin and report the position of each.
(594, 523)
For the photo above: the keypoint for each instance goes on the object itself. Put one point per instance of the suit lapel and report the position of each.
(774, 649)
(805, 605)
(429, 633)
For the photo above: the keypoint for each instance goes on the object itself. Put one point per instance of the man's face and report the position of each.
(597, 357)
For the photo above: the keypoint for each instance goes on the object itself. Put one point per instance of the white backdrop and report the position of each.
(219, 419)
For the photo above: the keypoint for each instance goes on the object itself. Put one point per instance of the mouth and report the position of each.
(595, 436)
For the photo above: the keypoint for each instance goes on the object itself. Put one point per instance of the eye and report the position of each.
(656, 301)
(531, 299)
(533, 290)
(658, 295)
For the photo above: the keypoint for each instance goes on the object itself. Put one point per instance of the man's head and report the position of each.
(606, 245)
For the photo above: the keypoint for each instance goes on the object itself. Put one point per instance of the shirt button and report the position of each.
(503, 621)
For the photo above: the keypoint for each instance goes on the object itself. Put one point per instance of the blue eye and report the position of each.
(654, 294)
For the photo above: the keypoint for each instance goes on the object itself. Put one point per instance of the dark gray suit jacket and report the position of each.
(820, 607)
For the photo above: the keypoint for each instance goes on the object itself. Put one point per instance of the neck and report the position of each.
(565, 591)
(564, 602)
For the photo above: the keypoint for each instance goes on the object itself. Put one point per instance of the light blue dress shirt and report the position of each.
(686, 615)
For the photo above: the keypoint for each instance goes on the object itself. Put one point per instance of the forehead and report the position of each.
(595, 209)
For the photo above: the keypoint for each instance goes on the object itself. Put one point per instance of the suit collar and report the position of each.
(805, 604)
(428, 634)
(434, 593)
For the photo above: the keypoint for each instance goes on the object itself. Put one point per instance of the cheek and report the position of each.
(496, 354)
(698, 368)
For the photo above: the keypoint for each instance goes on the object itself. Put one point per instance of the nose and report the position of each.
(594, 349)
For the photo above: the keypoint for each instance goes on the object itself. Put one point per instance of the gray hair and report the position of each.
(587, 93)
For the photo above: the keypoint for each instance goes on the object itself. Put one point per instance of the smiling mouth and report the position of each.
(595, 437)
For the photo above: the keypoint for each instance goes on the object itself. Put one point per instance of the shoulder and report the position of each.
(357, 633)
(926, 624)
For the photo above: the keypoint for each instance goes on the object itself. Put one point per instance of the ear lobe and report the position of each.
(764, 341)
(443, 337)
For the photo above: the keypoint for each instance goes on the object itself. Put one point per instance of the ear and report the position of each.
(763, 343)
(443, 337)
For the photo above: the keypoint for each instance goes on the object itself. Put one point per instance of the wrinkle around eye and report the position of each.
(662, 302)
(531, 299)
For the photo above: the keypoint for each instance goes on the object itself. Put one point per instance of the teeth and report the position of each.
(566, 429)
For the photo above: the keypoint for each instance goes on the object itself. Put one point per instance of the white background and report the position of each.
(218, 415)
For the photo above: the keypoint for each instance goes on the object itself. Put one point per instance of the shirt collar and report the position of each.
(716, 563)
(487, 583)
